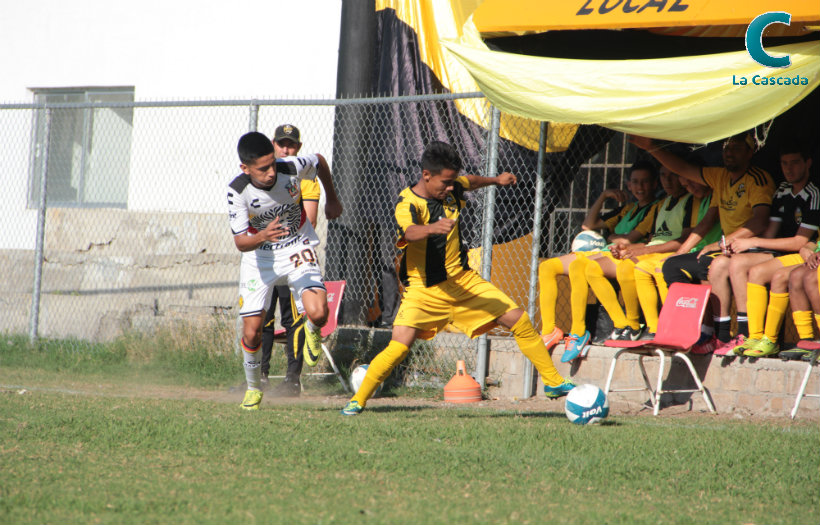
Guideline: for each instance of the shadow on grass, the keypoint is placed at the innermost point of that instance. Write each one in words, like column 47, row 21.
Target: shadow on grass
column 517, row 414
column 385, row 409
column 550, row 415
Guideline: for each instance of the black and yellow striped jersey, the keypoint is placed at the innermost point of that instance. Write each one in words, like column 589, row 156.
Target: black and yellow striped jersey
column 435, row 259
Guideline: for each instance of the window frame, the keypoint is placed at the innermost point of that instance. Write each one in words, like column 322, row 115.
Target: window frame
column 41, row 98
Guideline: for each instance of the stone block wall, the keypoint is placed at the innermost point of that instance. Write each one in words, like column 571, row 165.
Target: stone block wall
column 738, row 386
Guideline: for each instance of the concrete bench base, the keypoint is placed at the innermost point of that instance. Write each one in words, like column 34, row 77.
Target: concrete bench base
column 738, row 386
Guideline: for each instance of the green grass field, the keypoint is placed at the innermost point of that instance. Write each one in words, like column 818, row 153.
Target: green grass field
column 109, row 443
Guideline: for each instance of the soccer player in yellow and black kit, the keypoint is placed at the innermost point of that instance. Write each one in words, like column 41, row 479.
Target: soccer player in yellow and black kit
column 440, row 287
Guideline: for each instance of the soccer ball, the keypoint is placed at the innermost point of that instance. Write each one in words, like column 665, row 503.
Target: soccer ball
column 586, row 404
column 588, row 241
column 356, row 378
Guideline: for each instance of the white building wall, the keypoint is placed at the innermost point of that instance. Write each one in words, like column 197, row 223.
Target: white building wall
column 168, row 50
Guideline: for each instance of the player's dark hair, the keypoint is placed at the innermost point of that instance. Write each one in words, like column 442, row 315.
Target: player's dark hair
column 439, row 156
column 795, row 146
column 252, row 146
column 645, row 165
column 746, row 138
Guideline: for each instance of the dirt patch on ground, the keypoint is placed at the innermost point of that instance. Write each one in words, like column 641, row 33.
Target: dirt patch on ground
column 234, row 395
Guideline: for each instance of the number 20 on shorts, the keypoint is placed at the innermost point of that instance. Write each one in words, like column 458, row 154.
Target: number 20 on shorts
column 305, row 256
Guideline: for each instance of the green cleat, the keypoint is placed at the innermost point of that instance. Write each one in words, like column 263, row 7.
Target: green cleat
column 794, row 354
column 253, row 398
column 352, row 408
column 554, row 392
column 746, row 345
column 764, row 347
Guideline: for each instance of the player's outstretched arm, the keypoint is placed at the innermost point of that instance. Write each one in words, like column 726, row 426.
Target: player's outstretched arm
column 476, row 182
column 333, row 208
column 672, row 162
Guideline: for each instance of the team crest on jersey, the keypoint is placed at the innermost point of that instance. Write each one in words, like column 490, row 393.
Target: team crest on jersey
column 292, row 188
column 741, row 189
column 450, row 203
column 798, row 215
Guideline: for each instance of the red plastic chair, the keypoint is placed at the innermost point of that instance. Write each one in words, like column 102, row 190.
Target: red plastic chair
column 815, row 347
column 335, row 291
column 678, row 329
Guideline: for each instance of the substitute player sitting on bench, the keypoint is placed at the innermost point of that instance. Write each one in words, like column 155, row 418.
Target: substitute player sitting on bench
column 440, row 287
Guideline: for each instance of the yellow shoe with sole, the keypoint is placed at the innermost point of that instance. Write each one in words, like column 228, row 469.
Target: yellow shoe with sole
column 253, row 398
column 313, row 346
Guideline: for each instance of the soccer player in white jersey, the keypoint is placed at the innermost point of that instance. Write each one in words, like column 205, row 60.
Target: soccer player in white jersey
column 277, row 244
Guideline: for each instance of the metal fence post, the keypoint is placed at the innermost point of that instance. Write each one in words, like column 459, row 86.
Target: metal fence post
column 487, row 237
column 253, row 116
column 536, row 246
column 34, row 317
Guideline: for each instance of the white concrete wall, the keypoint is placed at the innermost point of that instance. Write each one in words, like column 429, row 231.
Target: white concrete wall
column 181, row 50
column 171, row 49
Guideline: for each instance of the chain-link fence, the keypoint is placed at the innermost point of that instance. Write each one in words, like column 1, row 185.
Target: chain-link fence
column 115, row 214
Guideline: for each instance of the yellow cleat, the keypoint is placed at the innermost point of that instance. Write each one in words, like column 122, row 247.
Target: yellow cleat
column 313, row 346
column 253, row 398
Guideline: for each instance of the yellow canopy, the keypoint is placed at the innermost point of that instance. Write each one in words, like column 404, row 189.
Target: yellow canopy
column 545, row 15
column 694, row 99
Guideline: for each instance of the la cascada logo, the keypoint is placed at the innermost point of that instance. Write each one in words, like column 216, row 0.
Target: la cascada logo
column 754, row 45
column 754, row 38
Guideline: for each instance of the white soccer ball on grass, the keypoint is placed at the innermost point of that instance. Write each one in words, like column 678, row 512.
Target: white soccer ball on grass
column 586, row 404
column 356, row 378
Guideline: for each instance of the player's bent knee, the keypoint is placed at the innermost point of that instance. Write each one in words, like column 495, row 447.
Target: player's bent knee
column 780, row 279
column 720, row 267
column 317, row 313
column 510, row 318
column 757, row 275
column 796, row 278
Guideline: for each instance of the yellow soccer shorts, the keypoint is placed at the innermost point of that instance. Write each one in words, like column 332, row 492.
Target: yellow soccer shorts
column 790, row 259
column 652, row 258
column 466, row 300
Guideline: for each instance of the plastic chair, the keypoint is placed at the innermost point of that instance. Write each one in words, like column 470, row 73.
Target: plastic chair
column 678, row 329
column 335, row 291
column 806, row 345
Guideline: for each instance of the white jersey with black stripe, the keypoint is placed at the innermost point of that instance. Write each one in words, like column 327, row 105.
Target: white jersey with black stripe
column 251, row 209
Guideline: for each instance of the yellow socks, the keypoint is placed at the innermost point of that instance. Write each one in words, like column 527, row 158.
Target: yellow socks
column 548, row 272
column 778, row 303
column 533, row 348
column 629, row 292
column 606, row 294
column 803, row 323
column 757, row 298
column 578, row 294
column 648, row 297
column 380, row 368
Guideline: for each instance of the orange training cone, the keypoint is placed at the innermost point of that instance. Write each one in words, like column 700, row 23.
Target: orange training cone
column 462, row 388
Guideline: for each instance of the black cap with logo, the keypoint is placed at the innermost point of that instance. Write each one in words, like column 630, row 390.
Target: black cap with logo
column 286, row 131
